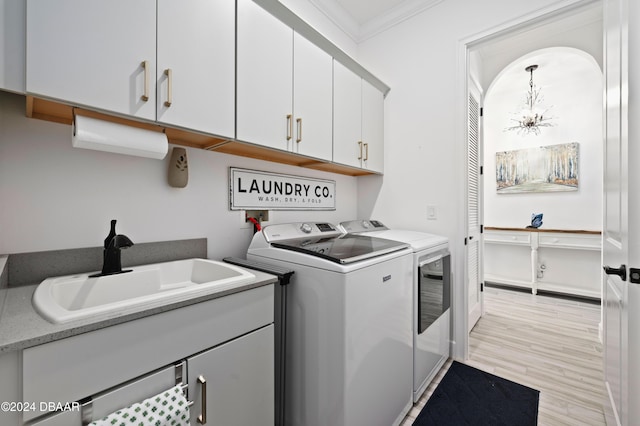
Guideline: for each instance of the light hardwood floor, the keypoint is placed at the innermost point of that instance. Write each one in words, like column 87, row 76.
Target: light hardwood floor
column 544, row 342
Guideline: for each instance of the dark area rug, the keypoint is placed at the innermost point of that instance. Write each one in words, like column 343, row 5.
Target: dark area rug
column 468, row 396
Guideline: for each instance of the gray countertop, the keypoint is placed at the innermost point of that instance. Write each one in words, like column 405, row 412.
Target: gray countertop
column 22, row 327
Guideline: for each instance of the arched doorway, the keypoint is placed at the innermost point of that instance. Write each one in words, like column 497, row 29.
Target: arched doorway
column 570, row 90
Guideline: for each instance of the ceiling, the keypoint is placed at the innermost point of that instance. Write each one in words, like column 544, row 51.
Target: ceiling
column 362, row 19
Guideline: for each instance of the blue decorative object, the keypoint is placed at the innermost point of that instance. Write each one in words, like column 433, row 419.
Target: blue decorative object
column 536, row 220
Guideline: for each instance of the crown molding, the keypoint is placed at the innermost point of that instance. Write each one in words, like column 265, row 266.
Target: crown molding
column 359, row 33
column 339, row 16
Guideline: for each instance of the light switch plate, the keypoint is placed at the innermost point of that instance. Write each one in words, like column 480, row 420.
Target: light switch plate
column 432, row 212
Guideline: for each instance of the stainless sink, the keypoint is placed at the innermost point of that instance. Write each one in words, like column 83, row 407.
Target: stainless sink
column 73, row 297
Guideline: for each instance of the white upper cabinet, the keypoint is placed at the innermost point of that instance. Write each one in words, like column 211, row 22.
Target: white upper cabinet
column 227, row 68
column 347, row 116
column 372, row 128
column 264, row 78
column 284, row 86
column 91, row 53
column 12, row 45
column 196, row 65
column 358, row 121
column 312, row 100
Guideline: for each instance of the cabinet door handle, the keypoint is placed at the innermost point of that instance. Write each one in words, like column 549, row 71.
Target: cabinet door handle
column 621, row 271
column 360, row 146
column 169, row 75
column 202, row 418
column 145, row 94
column 289, row 127
column 299, row 125
column 366, row 152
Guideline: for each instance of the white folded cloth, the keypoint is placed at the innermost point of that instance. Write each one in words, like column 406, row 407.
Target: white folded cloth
column 168, row 408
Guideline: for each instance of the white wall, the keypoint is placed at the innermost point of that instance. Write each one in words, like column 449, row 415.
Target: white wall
column 418, row 60
column 571, row 83
column 56, row 197
column 424, row 145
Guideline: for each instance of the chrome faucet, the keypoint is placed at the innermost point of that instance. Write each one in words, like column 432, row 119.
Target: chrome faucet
column 111, row 264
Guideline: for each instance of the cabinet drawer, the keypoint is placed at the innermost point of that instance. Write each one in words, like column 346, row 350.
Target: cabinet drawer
column 64, row 418
column 130, row 393
column 572, row 241
column 114, row 399
column 70, row 369
column 497, row 237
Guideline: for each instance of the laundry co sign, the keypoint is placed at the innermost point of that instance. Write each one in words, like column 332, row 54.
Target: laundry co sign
column 254, row 190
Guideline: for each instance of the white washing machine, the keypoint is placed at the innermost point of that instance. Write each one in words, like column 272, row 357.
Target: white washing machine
column 349, row 344
column 431, row 296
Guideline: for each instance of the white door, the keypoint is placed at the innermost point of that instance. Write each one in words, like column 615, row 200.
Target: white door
column 347, row 116
column 233, row 384
column 196, row 65
column 90, row 53
column 372, row 128
column 474, row 207
column 264, row 78
column 621, row 293
column 312, row 99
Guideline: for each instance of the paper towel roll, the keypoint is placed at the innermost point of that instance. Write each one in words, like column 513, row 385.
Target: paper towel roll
column 101, row 135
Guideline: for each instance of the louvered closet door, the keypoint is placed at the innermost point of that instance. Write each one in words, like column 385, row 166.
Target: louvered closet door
column 474, row 208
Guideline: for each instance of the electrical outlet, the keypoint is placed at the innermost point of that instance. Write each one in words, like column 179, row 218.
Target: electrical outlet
column 260, row 215
column 244, row 223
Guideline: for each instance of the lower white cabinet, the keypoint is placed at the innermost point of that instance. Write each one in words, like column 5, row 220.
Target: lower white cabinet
column 222, row 349
column 233, row 384
column 220, row 382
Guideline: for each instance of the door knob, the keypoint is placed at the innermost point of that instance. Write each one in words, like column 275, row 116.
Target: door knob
column 621, row 271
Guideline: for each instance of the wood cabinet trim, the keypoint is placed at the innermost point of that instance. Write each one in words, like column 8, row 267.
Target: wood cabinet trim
column 49, row 110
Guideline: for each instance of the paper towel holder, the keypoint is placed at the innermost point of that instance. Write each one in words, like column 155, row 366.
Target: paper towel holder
column 178, row 168
column 108, row 136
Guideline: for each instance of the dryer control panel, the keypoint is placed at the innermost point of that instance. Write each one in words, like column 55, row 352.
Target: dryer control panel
column 354, row 226
column 289, row 231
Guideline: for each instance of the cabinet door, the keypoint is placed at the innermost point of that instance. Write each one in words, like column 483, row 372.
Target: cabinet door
column 238, row 382
column 264, row 78
column 372, row 128
column 347, row 116
column 196, row 65
column 312, row 99
column 12, row 45
column 91, row 53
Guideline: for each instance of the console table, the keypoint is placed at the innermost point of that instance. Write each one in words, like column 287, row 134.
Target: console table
column 555, row 260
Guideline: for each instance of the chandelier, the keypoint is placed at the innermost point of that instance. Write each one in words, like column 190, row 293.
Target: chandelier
column 533, row 116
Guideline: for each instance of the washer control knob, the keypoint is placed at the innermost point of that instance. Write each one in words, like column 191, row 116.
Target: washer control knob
column 306, row 228
column 365, row 224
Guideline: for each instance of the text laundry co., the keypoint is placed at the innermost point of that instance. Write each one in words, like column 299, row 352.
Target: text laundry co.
column 271, row 187
column 253, row 189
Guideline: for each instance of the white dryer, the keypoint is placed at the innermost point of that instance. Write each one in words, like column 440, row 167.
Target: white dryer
column 431, row 296
column 348, row 332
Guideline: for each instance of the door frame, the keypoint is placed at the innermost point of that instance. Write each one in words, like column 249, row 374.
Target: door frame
column 460, row 329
